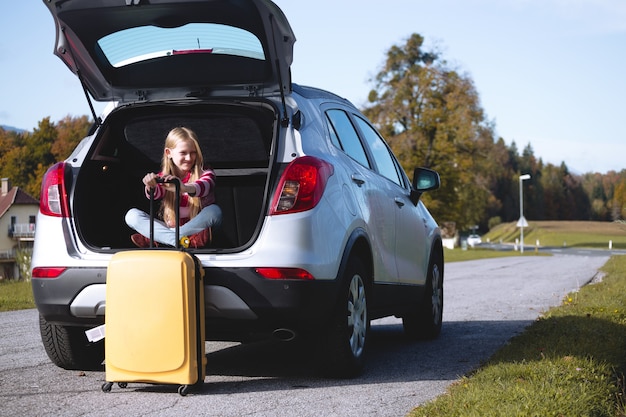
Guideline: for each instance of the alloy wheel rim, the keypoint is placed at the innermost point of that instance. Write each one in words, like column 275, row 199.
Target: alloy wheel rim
column 357, row 315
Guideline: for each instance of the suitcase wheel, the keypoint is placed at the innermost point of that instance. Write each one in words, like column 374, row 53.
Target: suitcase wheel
column 106, row 387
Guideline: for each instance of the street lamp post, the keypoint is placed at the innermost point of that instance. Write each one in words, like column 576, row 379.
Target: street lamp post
column 522, row 221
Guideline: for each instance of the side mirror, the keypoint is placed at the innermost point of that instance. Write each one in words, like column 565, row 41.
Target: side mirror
column 424, row 179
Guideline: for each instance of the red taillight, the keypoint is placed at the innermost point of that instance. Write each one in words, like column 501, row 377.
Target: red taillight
column 48, row 272
column 301, row 186
column 284, row 273
column 54, row 200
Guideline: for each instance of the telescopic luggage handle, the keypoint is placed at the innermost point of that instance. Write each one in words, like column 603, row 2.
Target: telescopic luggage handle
column 176, row 183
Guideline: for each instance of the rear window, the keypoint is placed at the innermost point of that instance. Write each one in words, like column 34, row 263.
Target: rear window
column 139, row 44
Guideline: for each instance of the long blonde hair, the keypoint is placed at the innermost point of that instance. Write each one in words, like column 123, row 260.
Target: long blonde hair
column 168, row 203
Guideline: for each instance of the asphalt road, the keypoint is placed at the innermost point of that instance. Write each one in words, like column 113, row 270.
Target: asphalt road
column 486, row 303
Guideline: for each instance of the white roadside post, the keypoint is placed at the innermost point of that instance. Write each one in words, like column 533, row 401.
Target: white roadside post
column 522, row 221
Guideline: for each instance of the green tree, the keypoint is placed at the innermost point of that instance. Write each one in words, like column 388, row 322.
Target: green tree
column 23, row 258
column 592, row 184
column 554, row 192
column 505, row 194
column 431, row 116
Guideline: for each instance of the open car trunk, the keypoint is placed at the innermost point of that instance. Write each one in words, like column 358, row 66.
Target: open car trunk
column 237, row 141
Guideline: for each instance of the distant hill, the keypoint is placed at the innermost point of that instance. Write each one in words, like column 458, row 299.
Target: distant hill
column 13, row 129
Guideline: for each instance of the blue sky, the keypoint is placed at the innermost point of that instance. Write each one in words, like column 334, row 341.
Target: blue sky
column 548, row 72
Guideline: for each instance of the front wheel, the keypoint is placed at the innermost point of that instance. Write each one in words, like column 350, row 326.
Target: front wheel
column 425, row 319
column 345, row 340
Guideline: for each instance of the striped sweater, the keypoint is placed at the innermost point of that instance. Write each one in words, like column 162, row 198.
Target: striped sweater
column 205, row 189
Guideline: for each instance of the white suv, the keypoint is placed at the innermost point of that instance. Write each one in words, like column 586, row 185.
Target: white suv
column 322, row 231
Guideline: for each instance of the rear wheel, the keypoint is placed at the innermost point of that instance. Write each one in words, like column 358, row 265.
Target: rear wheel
column 424, row 321
column 345, row 340
column 68, row 347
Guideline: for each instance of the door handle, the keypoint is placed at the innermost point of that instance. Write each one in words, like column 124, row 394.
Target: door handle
column 358, row 179
column 399, row 201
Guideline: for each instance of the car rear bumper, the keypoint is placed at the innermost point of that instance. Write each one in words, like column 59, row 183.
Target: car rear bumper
column 233, row 297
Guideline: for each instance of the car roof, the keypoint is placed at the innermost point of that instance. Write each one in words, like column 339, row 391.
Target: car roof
column 128, row 50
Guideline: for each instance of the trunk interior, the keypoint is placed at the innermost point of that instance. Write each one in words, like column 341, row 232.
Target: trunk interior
column 236, row 141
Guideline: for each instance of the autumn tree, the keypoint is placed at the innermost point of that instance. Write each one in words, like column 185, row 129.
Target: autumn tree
column 7, row 138
column 618, row 203
column 14, row 158
column 25, row 157
column 70, row 131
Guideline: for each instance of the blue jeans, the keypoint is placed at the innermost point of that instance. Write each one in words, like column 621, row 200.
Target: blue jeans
column 210, row 216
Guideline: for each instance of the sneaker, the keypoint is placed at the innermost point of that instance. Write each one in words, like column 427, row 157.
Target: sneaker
column 200, row 240
column 141, row 241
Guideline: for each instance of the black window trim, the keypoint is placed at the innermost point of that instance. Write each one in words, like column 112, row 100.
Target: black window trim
column 352, row 114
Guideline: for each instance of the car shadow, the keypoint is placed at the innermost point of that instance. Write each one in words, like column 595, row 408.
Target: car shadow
column 462, row 347
column 273, row 365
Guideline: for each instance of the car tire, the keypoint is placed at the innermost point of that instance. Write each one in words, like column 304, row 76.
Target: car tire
column 424, row 321
column 68, row 347
column 345, row 340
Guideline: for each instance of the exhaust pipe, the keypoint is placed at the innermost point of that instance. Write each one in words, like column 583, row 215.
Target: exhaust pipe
column 284, row 335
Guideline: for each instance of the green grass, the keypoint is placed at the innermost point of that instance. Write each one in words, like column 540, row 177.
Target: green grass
column 563, row 233
column 16, row 295
column 458, row 255
column 570, row 362
column 547, row 233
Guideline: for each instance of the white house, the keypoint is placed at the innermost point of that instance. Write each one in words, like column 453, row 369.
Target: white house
column 18, row 211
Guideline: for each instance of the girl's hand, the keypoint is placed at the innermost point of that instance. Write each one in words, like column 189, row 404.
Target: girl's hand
column 168, row 185
column 150, row 180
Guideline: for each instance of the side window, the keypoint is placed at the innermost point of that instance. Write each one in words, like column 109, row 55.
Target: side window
column 380, row 152
column 343, row 133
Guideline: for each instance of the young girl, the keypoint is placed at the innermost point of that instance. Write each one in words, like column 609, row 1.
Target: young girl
column 182, row 161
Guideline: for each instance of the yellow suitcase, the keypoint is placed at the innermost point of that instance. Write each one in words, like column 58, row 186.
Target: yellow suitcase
column 154, row 319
